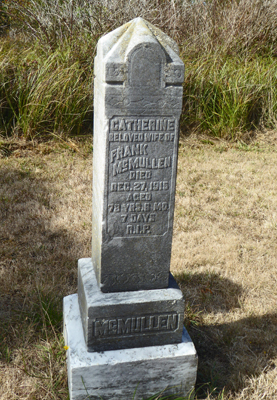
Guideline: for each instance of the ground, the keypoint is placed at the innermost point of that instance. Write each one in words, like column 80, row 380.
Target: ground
column 224, row 257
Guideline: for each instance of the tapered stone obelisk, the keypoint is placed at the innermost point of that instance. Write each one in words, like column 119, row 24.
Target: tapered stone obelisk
column 125, row 329
column 138, row 102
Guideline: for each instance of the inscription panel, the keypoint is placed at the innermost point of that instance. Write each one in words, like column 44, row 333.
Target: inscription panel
column 140, row 175
column 133, row 326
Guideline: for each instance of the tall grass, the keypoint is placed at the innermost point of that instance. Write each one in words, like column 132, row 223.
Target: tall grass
column 47, row 49
column 44, row 92
column 227, row 96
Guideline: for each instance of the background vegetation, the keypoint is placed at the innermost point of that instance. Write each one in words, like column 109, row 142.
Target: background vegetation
column 47, row 47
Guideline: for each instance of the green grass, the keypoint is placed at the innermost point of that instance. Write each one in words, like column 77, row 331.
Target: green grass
column 44, row 92
column 227, row 96
column 52, row 93
column 47, row 50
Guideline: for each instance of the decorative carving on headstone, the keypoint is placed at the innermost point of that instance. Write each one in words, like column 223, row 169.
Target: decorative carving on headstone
column 127, row 318
column 139, row 86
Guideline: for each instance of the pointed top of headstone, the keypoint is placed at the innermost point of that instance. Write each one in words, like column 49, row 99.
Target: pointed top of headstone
column 117, row 47
column 134, row 32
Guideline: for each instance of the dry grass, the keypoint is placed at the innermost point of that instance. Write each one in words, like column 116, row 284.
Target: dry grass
column 224, row 257
column 226, row 26
column 45, row 227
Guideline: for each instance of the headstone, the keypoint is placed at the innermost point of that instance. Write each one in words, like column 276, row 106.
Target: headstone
column 125, row 328
column 138, row 102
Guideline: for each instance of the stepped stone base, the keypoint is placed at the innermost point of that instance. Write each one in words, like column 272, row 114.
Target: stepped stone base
column 123, row 320
column 119, row 374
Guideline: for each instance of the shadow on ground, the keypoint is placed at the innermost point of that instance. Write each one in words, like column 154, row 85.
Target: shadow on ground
column 38, row 260
column 228, row 352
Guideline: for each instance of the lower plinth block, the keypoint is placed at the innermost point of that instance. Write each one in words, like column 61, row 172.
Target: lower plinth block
column 135, row 373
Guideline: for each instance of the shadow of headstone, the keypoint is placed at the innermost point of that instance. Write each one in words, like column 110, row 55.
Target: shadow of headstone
column 232, row 351
column 37, row 260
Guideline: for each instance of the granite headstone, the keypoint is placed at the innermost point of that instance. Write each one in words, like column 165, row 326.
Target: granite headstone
column 138, row 102
column 128, row 315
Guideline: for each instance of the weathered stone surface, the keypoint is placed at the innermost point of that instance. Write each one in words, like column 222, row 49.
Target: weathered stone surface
column 138, row 101
column 128, row 319
column 124, row 328
column 118, row 374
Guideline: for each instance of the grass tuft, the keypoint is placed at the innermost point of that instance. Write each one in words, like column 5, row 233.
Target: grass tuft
column 228, row 96
column 47, row 49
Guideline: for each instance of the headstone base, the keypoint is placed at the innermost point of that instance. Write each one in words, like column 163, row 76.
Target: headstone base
column 128, row 373
column 113, row 321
